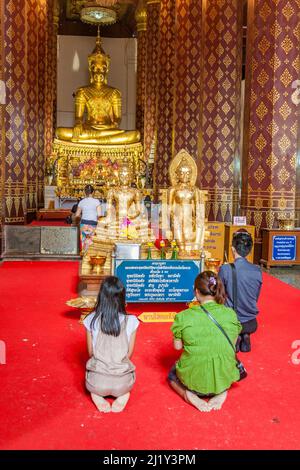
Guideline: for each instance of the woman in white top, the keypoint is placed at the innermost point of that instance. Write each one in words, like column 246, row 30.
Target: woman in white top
column 89, row 210
column 111, row 336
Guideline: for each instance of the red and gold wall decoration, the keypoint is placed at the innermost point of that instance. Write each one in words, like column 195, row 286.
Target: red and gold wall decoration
column 165, row 93
column 222, row 65
column 141, row 22
column 152, row 48
column 16, row 137
column 272, row 125
column 27, row 116
column 198, row 96
column 2, row 110
column 188, row 77
column 31, row 105
column 43, row 70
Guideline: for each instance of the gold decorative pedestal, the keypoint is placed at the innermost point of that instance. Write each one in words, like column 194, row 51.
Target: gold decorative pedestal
column 79, row 164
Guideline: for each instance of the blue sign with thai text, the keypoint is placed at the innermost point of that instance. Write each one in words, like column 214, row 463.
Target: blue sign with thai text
column 284, row 248
column 158, row 280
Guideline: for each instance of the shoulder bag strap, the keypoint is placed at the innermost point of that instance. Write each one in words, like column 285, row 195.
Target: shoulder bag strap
column 218, row 325
column 234, row 286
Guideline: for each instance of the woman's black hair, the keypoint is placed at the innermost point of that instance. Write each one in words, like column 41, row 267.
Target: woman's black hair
column 88, row 189
column 110, row 302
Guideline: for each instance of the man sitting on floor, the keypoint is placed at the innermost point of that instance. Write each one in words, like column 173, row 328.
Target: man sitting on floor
column 248, row 286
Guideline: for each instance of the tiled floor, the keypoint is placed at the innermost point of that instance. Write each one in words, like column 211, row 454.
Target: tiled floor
column 288, row 274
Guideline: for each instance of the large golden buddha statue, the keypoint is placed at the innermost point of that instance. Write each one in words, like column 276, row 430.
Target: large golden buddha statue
column 186, row 205
column 102, row 105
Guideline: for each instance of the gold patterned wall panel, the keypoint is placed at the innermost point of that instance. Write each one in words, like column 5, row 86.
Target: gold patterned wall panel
column 272, row 115
column 43, row 70
column 2, row 129
column 222, row 23
column 51, row 72
column 152, row 49
column 26, row 72
column 165, row 93
column 188, row 77
column 15, row 111
column 141, row 81
column 32, row 104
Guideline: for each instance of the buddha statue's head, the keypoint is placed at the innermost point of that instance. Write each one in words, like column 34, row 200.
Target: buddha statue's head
column 184, row 171
column 125, row 174
column 98, row 64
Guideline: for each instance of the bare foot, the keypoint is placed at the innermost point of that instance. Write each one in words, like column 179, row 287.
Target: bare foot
column 215, row 403
column 200, row 404
column 120, row 403
column 101, row 403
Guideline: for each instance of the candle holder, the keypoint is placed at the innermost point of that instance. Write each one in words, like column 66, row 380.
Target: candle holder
column 97, row 262
column 162, row 250
column 174, row 250
column 149, row 254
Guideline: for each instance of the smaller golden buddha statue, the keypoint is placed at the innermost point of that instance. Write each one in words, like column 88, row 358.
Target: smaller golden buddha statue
column 102, row 105
column 126, row 217
column 186, row 205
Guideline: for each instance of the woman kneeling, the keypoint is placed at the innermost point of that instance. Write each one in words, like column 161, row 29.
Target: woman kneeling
column 207, row 366
column 110, row 339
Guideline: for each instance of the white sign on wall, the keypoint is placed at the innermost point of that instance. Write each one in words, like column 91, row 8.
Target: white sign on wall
column 240, row 220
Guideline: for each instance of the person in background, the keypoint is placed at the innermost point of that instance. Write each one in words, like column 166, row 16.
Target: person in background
column 89, row 209
column 207, row 367
column 111, row 334
column 71, row 219
column 248, row 286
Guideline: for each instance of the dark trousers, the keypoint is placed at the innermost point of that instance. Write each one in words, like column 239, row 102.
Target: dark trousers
column 249, row 327
column 243, row 342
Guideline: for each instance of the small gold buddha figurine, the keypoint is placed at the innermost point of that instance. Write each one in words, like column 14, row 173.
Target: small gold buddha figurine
column 186, row 205
column 125, row 218
column 102, row 105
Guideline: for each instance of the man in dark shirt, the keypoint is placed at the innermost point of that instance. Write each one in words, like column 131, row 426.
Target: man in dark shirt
column 249, row 281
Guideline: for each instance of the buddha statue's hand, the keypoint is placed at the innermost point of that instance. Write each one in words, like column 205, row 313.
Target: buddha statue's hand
column 77, row 131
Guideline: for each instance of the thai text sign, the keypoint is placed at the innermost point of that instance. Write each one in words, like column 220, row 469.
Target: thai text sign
column 158, row 280
column 157, row 317
column 284, row 248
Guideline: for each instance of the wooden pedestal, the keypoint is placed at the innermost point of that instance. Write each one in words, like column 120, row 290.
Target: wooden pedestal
column 53, row 214
column 267, row 247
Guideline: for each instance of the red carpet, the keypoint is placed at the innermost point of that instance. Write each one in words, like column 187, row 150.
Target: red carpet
column 43, row 403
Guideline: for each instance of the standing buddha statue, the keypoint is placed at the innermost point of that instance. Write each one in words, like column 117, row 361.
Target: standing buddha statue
column 186, row 205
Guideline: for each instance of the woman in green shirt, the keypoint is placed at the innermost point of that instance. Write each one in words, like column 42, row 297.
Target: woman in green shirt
column 207, row 365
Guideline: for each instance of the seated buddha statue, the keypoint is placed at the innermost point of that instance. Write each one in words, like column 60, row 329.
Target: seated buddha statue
column 186, row 205
column 102, row 105
column 125, row 217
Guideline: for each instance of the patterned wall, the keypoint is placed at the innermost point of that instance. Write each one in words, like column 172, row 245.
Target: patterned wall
column 15, row 65
column 152, row 48
column 272, row 116
column 188, row 77
column 222, row 23
column 43, row 70
column 2, row 130
column 141, row 20
column 26, row 72
column 165, row 93
column 31, row 104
